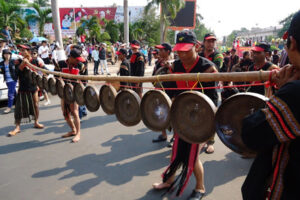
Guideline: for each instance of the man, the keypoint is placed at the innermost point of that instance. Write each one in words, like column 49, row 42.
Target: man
column 234, row 59
column 211, row 54
column 75, row 64
column 6, row 34
column 68, row 48
column 165, row 50
column 44, row 52
column 260, row 63
column 102, row 57
column 124, row 67
column 275, row 57
column 27, row 100
column 274, row 132
column 137, row 65
column 95, row 56
column 150, row 49
column 189, row 62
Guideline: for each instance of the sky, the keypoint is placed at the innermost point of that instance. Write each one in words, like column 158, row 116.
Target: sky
column 221, row 16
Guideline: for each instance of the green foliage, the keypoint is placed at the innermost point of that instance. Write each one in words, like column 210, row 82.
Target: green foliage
column 16, row 2
column 91, row 28
column 104, row 37
column 42, row 17
column 231, row 38
column 42, row 3
column 285, row 23
column 169, row 9
column 112, row 29
column 26, row 33
column 201, row 30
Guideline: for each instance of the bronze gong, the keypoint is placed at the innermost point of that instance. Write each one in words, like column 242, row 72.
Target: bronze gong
column 52, row 86
column 107, row 99
column 60, row 84
column 39, row 81
column 230, row 115
column 127, row 107
column 155, row 110
column 78, row 93
column 91, row 98
column 192, row 116
column 68, row 93
column 45, row 83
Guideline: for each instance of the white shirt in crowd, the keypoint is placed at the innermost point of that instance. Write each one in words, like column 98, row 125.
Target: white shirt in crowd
column 95, row 55
column 44, row 51
column 59, row 55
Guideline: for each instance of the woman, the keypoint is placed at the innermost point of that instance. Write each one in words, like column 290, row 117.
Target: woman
column 27, row 100
column 8, row 70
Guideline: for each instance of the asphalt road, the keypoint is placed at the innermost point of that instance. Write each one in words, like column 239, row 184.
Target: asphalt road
column 110, row 162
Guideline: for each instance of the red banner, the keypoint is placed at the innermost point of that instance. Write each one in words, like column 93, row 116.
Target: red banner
column 70, row 16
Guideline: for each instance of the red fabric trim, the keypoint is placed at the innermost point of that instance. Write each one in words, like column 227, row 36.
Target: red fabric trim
column 286, row 130
column 275, row 174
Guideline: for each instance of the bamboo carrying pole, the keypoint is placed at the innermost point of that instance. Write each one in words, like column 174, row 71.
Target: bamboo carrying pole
column 203, row 77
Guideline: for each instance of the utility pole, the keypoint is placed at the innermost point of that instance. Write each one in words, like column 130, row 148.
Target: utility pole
column 56, row 23
column 126, row 22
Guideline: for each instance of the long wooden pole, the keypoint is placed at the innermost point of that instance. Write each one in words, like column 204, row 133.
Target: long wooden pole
column 203, row 77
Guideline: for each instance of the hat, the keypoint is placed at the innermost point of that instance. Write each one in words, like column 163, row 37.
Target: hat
column 165, row 46
column 155, row 51
column 103, row 44
column 261, row 47
column 233, row 49
column 185, row 40
column 122, row 51
column 6, row 51
column 135, row 44
column 75, row 53
column 210, row 36
column 294, row 29
column 24, row 46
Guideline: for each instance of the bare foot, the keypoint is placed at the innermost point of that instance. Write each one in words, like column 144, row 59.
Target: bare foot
column 38, row 125
column 210, row 149
column 160, row 186
column 70, row 134
column 14, row 132
column 76, row 138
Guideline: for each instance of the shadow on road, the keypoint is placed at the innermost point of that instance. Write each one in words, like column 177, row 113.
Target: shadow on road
column 11, row 148
column 116, row 167
column 219, row 172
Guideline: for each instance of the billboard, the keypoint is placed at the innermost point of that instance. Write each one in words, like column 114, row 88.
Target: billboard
column 186, row 17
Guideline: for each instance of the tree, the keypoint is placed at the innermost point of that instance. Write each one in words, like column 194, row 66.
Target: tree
column 42, row 3
column 169, row 9
column 42, row 17
column 93, row 27
column 17, row 2
column 112, row 29
column 286, row 24
column 9, row 16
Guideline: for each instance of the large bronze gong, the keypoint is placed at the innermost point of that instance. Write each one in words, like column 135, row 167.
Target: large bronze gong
column 192, row 116
column 107, row 99
column 78, row 93
column 127, row 107
column 39, row 81
column 45, row 83
column 60, row 84
column 68, row 93
column 91, row 98
column 230, row 115
column 34, row 75
column 52, row 86
column 155, row 110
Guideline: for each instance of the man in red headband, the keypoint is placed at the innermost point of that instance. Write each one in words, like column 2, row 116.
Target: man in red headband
column 137, row 66
column 185, row 154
